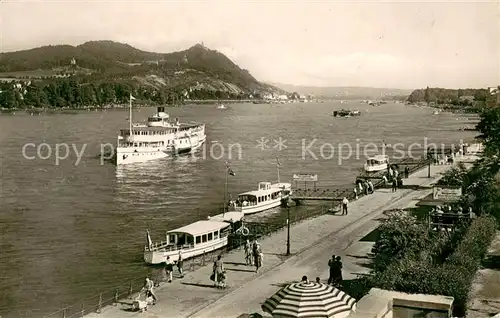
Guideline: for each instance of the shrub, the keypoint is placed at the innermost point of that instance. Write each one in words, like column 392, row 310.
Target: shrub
column 417, row 273
column 454, row 177
column 400, row 234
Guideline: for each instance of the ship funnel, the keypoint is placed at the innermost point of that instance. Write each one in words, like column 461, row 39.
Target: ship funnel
column 161, row 109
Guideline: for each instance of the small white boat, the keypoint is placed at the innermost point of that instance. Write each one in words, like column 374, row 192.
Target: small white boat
column 192, row 240
column 221, row 106
column 377, row 163
column 267, row 196
column 436, row 112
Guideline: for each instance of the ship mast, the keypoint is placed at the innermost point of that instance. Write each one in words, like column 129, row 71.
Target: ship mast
column 278, row 166
column 130, row 115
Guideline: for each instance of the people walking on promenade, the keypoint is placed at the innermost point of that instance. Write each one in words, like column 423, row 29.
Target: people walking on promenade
column 169, row 268
column 356, row 193
column 219, row 273
column 331, row 265
column 148, row 289
column 248, row 253
column 180, row 264
column 400, row 182
column 257, row 254
column 345, row 203
column 407, row 172
column 372, row 188
column 338, row 271
column 394, row 184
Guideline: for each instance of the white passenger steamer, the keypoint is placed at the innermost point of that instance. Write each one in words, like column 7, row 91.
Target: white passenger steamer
column 192, row 240
column 159, row 137
column 267, row 196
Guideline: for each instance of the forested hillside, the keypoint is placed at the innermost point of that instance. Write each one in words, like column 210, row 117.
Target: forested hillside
column 103, row 72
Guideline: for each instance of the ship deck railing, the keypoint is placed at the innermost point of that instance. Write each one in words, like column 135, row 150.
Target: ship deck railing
column 167, row 247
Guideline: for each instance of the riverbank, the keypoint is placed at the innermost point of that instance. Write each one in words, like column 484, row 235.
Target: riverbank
column 312, row 242
column 37, row 111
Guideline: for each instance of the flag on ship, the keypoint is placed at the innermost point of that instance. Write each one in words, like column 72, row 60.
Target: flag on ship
column 229, row 170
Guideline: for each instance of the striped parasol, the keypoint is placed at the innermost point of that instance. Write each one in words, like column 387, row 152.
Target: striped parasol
column 307, row 299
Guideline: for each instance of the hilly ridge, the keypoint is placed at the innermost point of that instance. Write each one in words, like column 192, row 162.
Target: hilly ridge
column 197, row 69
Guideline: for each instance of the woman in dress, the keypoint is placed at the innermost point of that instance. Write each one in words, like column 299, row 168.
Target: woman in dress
column 219, row 273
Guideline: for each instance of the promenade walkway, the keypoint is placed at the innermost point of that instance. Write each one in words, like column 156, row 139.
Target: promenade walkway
column 312, row 243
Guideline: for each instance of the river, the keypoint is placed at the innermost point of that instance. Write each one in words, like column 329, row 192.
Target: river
column 69, row 231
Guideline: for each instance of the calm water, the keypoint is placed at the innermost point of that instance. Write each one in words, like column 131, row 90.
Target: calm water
column 68, row 232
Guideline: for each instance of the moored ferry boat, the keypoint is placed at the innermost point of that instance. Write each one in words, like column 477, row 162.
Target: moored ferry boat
column 267, row 196
column 192, row 240
column 159, row 137
column 377, row 163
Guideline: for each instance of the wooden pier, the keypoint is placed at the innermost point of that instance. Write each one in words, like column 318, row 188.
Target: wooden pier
column 337, row 194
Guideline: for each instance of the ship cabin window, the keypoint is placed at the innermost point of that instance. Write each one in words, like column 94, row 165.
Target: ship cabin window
column 216, row 235
column 182, row 239
column 198, row 239
column 209, row 236
column 204, row 238
column 224, row 232
column 172, row 239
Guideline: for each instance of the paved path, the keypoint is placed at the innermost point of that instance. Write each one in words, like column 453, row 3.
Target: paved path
column 312, row 242
column 485, row 294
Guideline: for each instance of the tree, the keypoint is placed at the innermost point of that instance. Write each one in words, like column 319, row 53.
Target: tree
column 489, row 126
column 400, row 234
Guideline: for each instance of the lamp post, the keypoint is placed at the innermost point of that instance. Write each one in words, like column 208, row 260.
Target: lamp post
column 429, row 160
column 288, row 230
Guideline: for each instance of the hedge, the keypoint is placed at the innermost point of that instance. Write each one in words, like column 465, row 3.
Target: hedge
column 421, row 274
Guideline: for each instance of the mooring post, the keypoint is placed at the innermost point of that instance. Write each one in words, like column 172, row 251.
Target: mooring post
column 203, row 259
column 82, row 313
column 130, row 290
column 64, row 313
column 288, row 232
column 116, row 297
column 99, row 305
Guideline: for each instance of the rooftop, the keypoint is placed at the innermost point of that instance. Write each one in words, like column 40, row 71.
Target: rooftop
column 387, row 304
column 227, row 217
column 274, row 187
column 201, row 227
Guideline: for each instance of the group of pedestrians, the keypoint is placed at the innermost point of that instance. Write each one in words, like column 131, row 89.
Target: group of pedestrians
column 335, row 278
column 335, row 265
column 395, row 177
column 253, row 254
column 166, row 271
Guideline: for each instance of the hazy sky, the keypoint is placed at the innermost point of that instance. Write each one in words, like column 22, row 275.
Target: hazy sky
column 322, row 43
